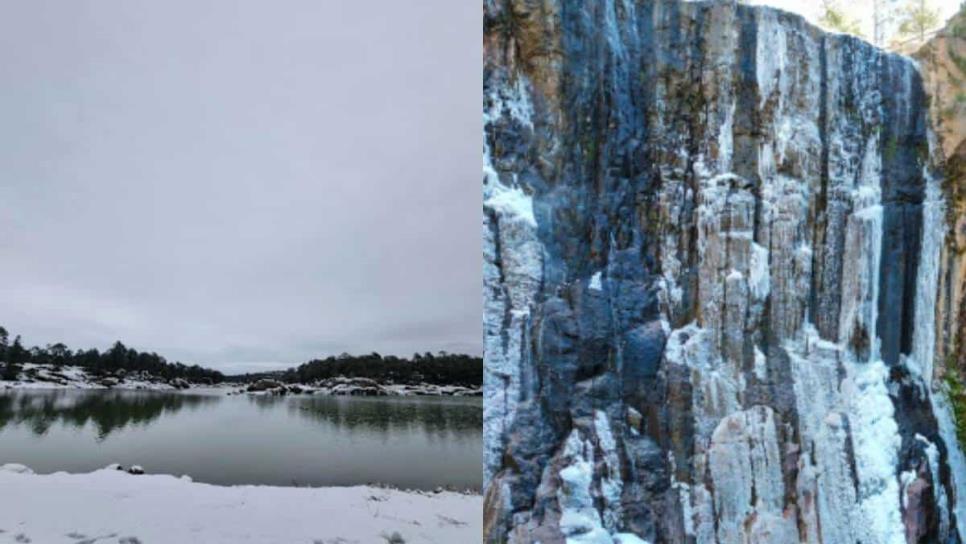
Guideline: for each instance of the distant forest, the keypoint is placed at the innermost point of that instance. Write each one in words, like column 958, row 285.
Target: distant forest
column 441, row 368
column 119, row 357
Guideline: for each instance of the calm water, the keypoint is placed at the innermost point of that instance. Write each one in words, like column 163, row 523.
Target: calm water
column 298, row 440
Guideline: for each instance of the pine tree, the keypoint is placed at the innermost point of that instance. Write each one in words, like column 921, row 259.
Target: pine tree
column 917, row 18
column 833, row 17
column 4, row 339
column 16, row 354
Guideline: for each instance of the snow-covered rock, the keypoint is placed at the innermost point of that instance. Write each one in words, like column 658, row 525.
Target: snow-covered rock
column 16, row 468
column 37, row 376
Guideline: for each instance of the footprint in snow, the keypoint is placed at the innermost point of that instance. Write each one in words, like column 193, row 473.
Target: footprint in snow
column 96, row 538
column 22, row 538
column 445, row 520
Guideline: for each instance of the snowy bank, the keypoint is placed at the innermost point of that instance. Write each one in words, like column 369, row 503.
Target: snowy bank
column 357, row 387
column 111, row 506
column 38, row 376
column 42, row 376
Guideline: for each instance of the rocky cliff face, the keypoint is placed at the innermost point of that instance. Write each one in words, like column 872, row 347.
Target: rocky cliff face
column 712, row 243
column 943, row 64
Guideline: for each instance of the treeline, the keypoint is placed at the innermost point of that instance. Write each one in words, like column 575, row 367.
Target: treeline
column 440, row 369
column 118, row 357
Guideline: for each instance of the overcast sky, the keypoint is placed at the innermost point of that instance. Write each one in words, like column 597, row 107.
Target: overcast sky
column 242, row 184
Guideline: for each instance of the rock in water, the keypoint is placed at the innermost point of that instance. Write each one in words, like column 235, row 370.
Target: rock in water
column 265, row 385
column 712, row 237
column 16, row 468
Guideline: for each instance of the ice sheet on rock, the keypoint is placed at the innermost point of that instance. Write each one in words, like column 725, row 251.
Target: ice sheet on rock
column 759, row 278
column 954, row 457
column 628, row 538
column 716, row 384
column 927, row 279
column 512, row 270
column 745, row 469
column 611, row 483
column 875, row 437
column 511, row 202
column 508, row 200
column 595, row 283
column 580, row 522
column 760, row 367
column 939, row 491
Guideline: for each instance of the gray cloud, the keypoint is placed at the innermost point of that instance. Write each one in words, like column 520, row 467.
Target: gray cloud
column 241, row 183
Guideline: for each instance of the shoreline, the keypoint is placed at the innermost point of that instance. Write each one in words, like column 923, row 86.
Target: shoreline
column 139, row 509
column 34, row 376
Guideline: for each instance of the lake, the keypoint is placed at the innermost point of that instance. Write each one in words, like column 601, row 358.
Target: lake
column 407, row 442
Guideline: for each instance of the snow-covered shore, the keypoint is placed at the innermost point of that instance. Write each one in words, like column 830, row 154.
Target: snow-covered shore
column 34, row 376
column 111, row 506
column 365, row 387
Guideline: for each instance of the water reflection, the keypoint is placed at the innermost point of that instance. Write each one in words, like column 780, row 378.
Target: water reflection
column 434, row 417
column 417, row 443
column 107, row 411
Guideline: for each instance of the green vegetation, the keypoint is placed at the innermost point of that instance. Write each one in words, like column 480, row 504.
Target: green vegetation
column 119, row 357
column 833, row 18
column 917, row 18
column 957, row 398
column 959, row 61
column 891, row 149
column 439, row 369
column 958, row 23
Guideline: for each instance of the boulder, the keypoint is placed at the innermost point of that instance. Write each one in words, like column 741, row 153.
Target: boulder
column 264, row 385
column 16, row 468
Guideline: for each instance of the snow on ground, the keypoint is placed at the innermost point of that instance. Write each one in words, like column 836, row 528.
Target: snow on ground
column 111, row 506
column 34, row 376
